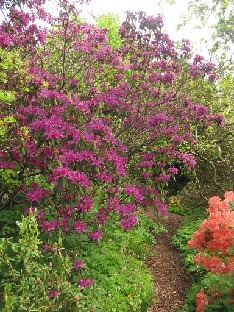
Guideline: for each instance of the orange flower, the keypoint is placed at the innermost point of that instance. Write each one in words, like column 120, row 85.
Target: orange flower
column 229, row 196
column 215, row 236
column 201, row 301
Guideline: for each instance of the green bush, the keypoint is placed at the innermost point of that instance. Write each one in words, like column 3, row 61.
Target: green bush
column 27, row 277
column 193, row 219
column 183, row 235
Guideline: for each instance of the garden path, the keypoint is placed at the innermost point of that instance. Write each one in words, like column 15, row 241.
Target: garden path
column 170, row 277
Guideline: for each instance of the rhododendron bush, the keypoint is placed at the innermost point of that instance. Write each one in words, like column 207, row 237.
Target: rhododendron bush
column 214, row 240
column 83, row 114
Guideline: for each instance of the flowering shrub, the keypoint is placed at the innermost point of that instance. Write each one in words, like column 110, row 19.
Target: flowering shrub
column 213, row 239
column 84, row 113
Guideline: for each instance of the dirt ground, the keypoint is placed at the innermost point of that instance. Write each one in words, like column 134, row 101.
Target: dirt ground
column 170, row 277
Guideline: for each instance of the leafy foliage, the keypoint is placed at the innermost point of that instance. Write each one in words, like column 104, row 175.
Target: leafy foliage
column 193, row 219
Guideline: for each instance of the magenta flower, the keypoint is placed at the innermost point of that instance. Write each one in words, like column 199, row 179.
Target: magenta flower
column 40, row 214
column 133, row 219
column 220, row 119
column 133, row 190
column 28, row 210
column 53, row 293
column 95, row 236
column 146, row 175
column 113, row 190
column 78, row 264
column 74, row 81
column 126, row 224
column 161, row 207
column 46, row 247
column 49, row 226
column 126, row 209
column 102, row 218
column 105, row 177
column 80, row 227
column 85, row 203
column 198, row 58
column 173, row 170
column 128, row 221
column 86, row 283
column 37, row 194
column 66, row 211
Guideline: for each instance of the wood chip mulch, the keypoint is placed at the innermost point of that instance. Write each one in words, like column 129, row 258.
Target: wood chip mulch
column 170, row 277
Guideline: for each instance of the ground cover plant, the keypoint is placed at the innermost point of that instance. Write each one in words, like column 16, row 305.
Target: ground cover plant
column 38, row 279
column 89, row 132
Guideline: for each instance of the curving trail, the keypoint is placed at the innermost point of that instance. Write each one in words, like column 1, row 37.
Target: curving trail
column 170, row 277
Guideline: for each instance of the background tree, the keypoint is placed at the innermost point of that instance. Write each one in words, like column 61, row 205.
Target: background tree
column 111, row 23
column 214, row 170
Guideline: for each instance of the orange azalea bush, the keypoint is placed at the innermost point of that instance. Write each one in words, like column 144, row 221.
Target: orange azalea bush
column 215, row 236
column 213, row 240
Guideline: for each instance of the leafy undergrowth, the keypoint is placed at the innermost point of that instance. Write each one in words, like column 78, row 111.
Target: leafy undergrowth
column 115, row 263
column 183, row 235
column 201, row 279
column 191, row 223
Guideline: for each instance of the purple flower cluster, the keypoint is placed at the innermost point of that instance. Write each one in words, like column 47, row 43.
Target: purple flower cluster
column 85, row 203
column 95, row 236
column 49, row 226
column 86, row 283
column 127, row 222
column 135, row 191
column 80, row 227
column 74, row 176
column 37, row 194
column 78, row 264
